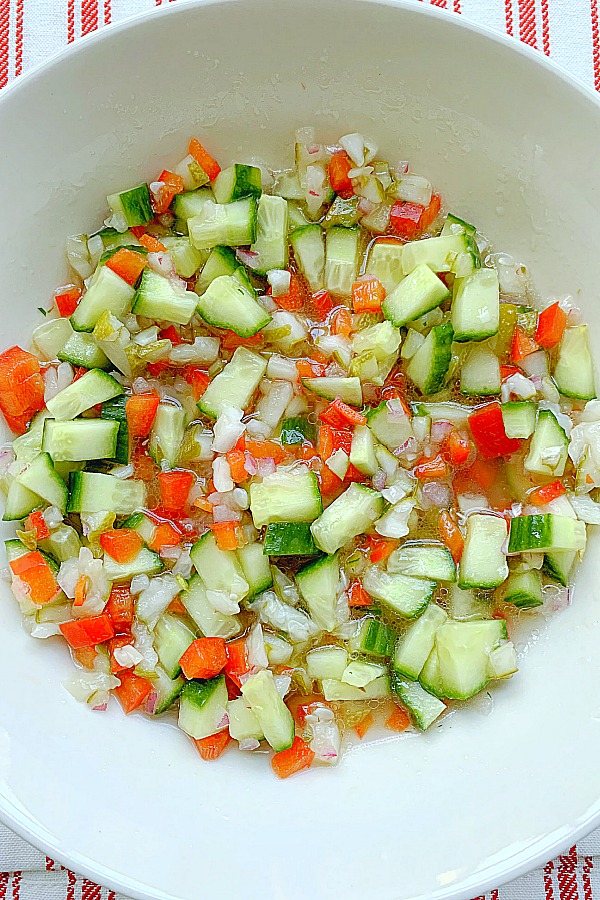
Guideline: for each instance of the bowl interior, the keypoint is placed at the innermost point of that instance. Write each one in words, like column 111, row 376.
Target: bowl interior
column 513, row 146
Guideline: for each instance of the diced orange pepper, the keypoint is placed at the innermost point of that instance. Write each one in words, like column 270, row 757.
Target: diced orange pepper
column 451, row 535
column 547, row 493
column 21, row 388
column 127, row 264
column 231, row 340
column 35, row 572
column 81, row 589
column 399, row 720
column 427, row 469
column 165, row 535
column 266, row 450
column 225, row 535
column 339, row 415
column 323, row 304
column 550, row 326
column 204, row 658
column 85, row 656
column 204, row 159
column 456, row 448
column 368, row 294
column 342, row 322
column 151, row 243
column 294, row 299
column 430, row 212
column 120, row 607
column 210, row 748
column 288, row 762
column 175, row 487
column 198, row 378
column 363, row 726
column 132, row 691
column 237, row 465
column 522, row 345
column 35, row 522
column 122, row 544
column 88, row 632
column 172, row 184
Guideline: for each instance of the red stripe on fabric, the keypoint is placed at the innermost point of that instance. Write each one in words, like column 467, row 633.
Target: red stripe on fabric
column 527, row 23
column 111, row 896
column 567, row 876
column 494, row 895
column 440, row 3
column 71, row 885
column 457, row 8
column 508, row 14
column 158, row 2
column 19, row 38
column 548, row 886
column 3, row 885
column 4, row 30
column 89, row 16
column 16, row 885
column 49, row 864
column 107, row 12
column 595, row 43
column 545, row 28
column 588, row 865
column 71, row 21
column 90, row 891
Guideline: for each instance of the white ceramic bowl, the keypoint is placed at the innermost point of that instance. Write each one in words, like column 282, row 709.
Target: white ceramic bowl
column 513, row 145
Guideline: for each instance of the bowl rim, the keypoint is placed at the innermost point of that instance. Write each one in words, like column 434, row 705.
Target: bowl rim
column 17, row 820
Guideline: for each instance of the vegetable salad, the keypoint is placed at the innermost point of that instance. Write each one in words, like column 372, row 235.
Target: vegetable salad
column 295, row 453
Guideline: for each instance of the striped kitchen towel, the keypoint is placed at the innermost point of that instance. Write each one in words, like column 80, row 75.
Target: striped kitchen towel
column 32, row 31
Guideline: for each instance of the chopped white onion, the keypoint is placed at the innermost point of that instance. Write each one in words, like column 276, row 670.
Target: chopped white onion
column 52, row 517
column 394, row 523
column 122, row 471
column 280, row 280
column 255, row 648
column 282, row 368
column 138, row 584
column 265, row 466
column 223, row 603
column 50, row 383
column 535, row 364
column 222, row 513
column 161, row 262
column 127, row 656
column 144, row 338
column 228, row 429
column 518, row 385
column 354, row 145
column 183, row 566
column 222, row 475
column 153, row 600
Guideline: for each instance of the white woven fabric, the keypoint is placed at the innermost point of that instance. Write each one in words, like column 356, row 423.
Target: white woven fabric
column 32, row 31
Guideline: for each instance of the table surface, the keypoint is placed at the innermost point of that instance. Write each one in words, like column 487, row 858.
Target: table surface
column 31, row 31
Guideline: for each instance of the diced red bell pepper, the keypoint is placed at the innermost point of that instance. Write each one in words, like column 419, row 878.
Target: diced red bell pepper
column 487, row 428
column 406, row 219
column 368, row 294
column 550, row 326
column 231, row 340
column 88, row 632
column 204, row 658
column 170, row 333
column 67, row 299
column 198, row 378
column 339, row 167
column 120, row 608
column 323, row 304
column 172, row 184
column 339, row 415
column 35, row 572
column 140, row 410
column 522, row 345
column 132, row 691
column 237, row 465
column 507, row 371
column 547, row 493
column 21, row 388
column 121, row 544
column 127, row 264
column 204, row 159
column 357, row 596
column 456, row 448
column 174, row 489
column 380, row 548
